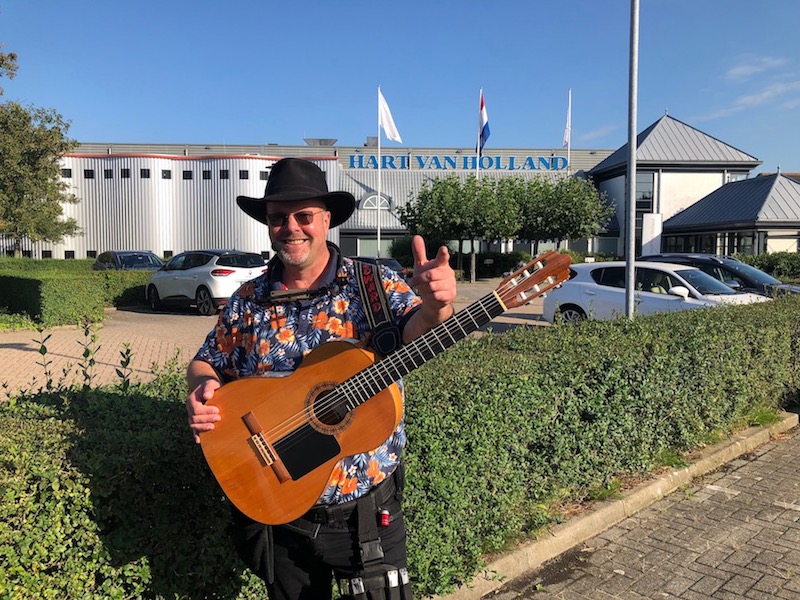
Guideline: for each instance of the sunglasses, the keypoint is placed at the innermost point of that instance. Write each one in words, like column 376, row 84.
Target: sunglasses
column 304, row 217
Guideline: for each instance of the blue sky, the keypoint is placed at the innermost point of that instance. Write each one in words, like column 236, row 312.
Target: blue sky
column 256, row 72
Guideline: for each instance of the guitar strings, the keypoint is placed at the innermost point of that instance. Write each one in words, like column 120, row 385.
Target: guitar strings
column 384, row 366
column 331, row 400
column 384, row 372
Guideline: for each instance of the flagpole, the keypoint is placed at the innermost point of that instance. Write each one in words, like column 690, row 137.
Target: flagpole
column 478, row 142
column 378, row 203
column 569, row 131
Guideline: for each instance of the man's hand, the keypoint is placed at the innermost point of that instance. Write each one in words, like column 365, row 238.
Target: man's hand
column 435, row 282
column 202, row 416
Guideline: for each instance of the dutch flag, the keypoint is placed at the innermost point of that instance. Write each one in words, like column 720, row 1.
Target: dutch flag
column 483, row 125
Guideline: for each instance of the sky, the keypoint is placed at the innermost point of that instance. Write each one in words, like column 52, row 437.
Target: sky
column 259, row 71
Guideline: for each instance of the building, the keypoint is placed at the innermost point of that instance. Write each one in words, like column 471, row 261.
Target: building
column 676, row 165
column 751, row 216
column 170, row 198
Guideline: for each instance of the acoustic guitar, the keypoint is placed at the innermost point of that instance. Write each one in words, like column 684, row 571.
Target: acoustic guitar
column 281, row 436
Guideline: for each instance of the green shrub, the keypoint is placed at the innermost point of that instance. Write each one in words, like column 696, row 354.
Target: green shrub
column 32, row 265
column 52, row 298
column 781, row 265
column 63, row 292
column 106, row 496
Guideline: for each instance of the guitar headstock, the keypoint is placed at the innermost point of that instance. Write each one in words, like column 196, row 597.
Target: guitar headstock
column 543, row 273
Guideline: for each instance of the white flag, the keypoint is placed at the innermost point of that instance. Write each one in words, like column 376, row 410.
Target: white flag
column 385, row 119
column 568, row 128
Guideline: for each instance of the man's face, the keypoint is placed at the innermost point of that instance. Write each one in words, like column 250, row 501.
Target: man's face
column 298, row 231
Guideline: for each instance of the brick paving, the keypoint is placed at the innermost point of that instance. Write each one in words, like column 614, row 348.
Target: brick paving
column 154, row 339
column 733, row 534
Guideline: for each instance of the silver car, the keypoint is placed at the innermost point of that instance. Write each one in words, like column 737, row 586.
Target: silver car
column 597, row 291
column 202, row 278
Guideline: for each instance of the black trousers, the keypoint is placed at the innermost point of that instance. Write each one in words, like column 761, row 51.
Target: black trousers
column 300, row 560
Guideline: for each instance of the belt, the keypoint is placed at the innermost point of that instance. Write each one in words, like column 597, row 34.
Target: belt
column 340, row 513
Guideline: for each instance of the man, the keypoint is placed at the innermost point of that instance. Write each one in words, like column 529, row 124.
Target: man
column 265, row 328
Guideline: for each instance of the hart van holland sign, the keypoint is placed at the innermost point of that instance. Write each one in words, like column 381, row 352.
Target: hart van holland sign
column 448, row 162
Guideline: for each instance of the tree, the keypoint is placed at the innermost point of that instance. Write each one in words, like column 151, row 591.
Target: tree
column 448, row 208
column 8, row 65
column 32, row 140
column 572, row 208
column 580, row 211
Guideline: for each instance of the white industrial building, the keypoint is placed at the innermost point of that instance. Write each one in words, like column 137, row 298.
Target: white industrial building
column 172, row 198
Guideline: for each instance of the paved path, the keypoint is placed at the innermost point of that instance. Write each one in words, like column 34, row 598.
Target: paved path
column 732, row 534
column 155, row 338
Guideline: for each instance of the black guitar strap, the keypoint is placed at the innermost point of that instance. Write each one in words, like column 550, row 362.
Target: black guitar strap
column 385, row 334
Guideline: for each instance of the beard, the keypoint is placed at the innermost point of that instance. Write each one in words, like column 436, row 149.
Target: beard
column 292, row 258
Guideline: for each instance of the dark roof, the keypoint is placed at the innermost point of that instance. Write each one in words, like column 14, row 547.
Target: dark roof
column 760, row 201
column 669, row 142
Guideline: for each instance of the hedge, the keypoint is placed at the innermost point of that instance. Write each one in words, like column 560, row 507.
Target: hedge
column 104, row 495
column 53, row 299
column 66, row 292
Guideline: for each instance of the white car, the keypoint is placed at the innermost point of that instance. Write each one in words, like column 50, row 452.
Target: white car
column 202, row 278
column 597, row 291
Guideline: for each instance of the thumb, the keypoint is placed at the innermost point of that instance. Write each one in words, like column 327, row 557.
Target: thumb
column 418, row 250
column 442, row 256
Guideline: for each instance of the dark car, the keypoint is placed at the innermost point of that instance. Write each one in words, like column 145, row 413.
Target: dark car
column 128, row 259
column 734, row 273
column 391, row 263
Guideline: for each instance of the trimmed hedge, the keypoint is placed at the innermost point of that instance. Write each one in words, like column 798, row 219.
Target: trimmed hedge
column 53, row 299
column 106, row 496
column 66, row 292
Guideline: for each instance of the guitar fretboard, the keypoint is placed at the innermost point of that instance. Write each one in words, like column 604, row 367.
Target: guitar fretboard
column 375, row 378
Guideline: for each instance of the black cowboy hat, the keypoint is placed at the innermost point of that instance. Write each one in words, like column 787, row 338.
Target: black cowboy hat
column 295, row 179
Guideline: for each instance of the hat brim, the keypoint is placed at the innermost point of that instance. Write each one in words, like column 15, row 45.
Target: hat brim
column 340, row 204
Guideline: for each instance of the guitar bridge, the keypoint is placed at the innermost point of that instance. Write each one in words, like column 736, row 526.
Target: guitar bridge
column 262, row 448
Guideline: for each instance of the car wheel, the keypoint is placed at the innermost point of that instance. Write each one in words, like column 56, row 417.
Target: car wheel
column 572, row 314
column 152, row 298
column 205, row 303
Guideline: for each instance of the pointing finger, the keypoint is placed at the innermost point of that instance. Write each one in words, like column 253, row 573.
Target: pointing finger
column 418, row 250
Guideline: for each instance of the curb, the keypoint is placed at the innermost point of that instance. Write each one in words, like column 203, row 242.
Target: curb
column 530, row 555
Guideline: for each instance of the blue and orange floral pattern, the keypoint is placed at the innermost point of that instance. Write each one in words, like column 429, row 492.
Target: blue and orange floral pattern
column 254, row 338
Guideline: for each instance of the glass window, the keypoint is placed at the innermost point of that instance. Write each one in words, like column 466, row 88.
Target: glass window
column 206, row 174
column 125, row 173
column 88, row 173
column 166, row 174
column 66, row 173
column 91, row 254
column 144, row 173
column 263, row 175
column 610, row 276
column 187, row 175
column 244, row 174
column 69, row 254
column 224, row 174
column 108, row 173
column 47, row 254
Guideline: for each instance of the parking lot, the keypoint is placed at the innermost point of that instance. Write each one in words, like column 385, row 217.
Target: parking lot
column 155, row 338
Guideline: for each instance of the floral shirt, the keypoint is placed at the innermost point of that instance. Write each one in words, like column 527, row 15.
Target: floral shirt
column 254, row 338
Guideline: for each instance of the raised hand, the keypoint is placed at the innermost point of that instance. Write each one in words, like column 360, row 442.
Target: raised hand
column 434, row 281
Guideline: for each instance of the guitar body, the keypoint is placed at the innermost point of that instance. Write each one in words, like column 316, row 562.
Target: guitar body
column 280, row 437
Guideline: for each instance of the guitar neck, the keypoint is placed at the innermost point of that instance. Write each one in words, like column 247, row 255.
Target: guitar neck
column 375, row 378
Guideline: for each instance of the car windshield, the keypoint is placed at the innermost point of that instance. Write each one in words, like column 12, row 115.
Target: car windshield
column 134, row 261
column 749, row 272
column 704, row 283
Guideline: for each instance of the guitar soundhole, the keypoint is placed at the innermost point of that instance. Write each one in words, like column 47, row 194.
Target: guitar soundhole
column 327, row 413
